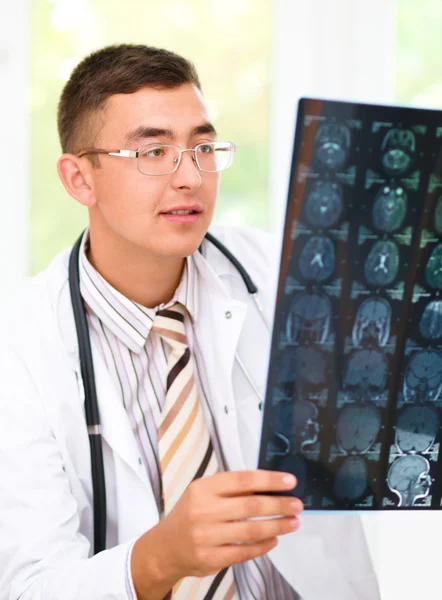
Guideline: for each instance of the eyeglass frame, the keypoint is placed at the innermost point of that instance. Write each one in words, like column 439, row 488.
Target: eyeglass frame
column 136, row 153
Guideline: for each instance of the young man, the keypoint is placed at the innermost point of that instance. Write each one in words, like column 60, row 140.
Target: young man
column 179, row 352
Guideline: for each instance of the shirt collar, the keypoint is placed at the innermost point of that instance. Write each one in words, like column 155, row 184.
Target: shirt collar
column 129, row 321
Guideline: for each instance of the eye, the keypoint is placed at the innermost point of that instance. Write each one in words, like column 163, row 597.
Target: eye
column 205, row 148
column 155, row 152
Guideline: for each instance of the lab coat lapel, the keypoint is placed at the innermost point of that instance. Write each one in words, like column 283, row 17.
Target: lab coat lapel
column 136, row 504
column 220, row 320
column 115, row 425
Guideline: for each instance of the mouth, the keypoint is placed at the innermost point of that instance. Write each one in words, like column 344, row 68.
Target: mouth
column 182, row 214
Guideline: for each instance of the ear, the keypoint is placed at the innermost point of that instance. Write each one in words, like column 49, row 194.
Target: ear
column 76, row 176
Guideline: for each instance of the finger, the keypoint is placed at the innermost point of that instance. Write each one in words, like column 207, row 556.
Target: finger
column 235, row 554
column 236, row 483
column 252, row 532
column 248, row 507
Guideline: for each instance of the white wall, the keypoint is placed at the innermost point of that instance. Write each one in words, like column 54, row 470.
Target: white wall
column 345, row 50
column 14, row 164
column 336, row 49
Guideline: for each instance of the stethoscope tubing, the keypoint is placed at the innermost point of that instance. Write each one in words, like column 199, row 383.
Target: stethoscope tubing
column 90, row 398
column 88, row 377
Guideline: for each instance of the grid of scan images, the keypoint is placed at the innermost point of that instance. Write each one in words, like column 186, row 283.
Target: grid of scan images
column 354, row 395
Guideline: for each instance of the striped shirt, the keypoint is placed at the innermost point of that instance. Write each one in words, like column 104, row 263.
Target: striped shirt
column 137, row 363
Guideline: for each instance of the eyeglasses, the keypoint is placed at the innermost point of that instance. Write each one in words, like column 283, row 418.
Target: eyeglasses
column 163, row 159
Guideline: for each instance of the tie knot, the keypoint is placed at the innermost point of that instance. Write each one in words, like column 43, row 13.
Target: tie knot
column 169, row 324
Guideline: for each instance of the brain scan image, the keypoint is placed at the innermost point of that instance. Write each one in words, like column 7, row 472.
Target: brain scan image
column 389, row 208
column 366, row 373
column 332, row 144
column 286, row 373
column 409, row 478
column 423, row 377
column 357, row 428
column 430, row 325
column 281, row 444
column 309, row 368
column 433, row 269
column 382, row 264
column 309, row 318
column 398, row 148
column 324, row 204
column 438, row 216
column 317, row 259
column 417, row 428
column 306, row 424
column 297, row 466
column 282, row 420
column 372, row 322
column 351, row 479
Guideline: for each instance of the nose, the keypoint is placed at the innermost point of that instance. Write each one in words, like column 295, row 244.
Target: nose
column 187, row 176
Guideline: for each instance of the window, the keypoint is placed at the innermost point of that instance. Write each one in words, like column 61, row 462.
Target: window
column 229, row 42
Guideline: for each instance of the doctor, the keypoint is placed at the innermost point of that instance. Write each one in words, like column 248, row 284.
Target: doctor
column 179, row 352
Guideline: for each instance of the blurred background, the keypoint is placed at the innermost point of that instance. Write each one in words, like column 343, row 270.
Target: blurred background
column 255, row 59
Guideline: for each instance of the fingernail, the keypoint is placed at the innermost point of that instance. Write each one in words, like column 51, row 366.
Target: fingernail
column 294, row 524
column 289, row 480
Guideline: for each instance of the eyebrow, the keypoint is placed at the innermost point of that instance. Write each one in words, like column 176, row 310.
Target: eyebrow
column 144, row 132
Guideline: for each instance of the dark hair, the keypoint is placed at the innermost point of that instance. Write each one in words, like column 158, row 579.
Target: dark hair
column 121, row 69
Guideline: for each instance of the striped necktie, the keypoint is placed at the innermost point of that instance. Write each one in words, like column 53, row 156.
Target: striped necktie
column 185, row 448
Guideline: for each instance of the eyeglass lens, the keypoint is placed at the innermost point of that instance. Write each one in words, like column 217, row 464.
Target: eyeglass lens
column 160, row 159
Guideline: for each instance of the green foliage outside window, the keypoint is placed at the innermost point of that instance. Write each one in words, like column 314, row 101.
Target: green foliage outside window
column 419, row 53
column 229, row 42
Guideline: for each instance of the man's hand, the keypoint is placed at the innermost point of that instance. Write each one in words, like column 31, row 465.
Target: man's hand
column 211, row 528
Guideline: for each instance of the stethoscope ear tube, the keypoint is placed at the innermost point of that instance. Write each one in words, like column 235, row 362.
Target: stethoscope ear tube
column 91, row 403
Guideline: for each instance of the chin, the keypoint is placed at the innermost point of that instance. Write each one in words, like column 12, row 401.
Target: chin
column 181, row 246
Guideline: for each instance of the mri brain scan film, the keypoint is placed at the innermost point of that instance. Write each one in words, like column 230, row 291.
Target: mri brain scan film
column 438, row 216
column 372, row 323
column 382, row 264
column 423, row 377
column 351, row 479
column 390, row 208
column 324, row 204
column 433, row 270
column 309, row 318
column 317, row 259
column 332, row 145
column 409, row 478
column 366, row 372
column 417, row 428
column 398, row 149
column 430, row 324
column 358, row 427
column 353, row 403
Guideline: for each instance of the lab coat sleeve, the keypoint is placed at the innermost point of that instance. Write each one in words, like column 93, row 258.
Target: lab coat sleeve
column 42, row 554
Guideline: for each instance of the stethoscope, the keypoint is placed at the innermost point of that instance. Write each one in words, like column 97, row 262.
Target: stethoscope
column 88, row 376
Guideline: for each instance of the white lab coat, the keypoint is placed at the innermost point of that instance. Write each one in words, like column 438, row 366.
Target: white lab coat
column 45, row 475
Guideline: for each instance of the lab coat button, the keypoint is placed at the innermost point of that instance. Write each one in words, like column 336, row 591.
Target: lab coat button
column 140, row 462
column 228, row 314
column 226, row 410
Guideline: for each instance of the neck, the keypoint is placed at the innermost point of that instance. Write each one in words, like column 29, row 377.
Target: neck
column 145, row 279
